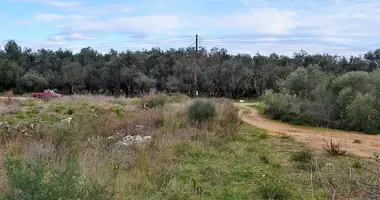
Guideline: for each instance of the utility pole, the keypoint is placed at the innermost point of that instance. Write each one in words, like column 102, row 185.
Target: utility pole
column 196, row 66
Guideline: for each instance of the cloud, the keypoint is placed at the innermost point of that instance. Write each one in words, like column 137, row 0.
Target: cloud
column 48, row 17
column 151, row 24
column 66, row 4
column 69, row 37
column 58, row 4
column 339, row 26
column 256, row 21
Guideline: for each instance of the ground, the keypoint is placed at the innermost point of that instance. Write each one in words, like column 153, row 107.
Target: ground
column 222, row 158
column 355, row 143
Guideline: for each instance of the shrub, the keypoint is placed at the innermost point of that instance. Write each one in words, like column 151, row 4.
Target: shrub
column 303, row 160
column 274, row 191
column 263, row 135
column 285, row 136
column 152, row 118
column 229, row 113
column 201, row 111
column 333, row 148
column 153, row 101
column 357, row 165
column 35, row 180
column 304, row 156
column 64, row 138
column 362, row 114
column 264, row 159
column 356, row 141
column 9, row 108
column 276, row 163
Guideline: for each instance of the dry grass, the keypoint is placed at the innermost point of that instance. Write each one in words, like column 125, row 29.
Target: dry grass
column 9, row 107
column 212, row 156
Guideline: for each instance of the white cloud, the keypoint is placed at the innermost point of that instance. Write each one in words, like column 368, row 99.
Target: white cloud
column 65, row 4
column 48, row 17
column 259, row 21
column 139, row 25
column 339, row 26
column 59, row 4
column 69, row 37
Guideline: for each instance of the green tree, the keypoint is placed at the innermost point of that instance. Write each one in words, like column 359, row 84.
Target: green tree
column 362, row 114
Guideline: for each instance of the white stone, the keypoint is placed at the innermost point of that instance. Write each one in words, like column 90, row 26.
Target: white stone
column 67, row 120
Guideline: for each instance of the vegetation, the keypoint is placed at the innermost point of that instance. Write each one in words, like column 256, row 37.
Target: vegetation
column 311, row 96
column 132, row 73
column 202, row 111
column 224, row 159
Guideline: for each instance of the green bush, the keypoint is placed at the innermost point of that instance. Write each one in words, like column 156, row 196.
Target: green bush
column 34, row 180
column 274, row 191
column 201, row 111
column 303, row 160
column 304, row 156
column 154, row 101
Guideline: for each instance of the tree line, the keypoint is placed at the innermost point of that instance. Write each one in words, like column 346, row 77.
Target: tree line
column 128, row 73
column 311, row 96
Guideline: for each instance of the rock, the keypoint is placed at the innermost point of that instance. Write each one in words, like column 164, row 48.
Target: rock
column 140, row 127
column 4, row 125
column 329, row 165
column 67, row 120
column 129, row 140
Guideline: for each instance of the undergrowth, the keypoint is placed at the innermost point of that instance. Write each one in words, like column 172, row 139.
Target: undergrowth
column 221, row 159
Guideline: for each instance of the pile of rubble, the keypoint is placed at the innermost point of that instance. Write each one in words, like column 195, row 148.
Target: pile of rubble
column 132, row 139
column 137, row 140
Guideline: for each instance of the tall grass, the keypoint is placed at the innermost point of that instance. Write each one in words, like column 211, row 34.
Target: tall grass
column 221, row 159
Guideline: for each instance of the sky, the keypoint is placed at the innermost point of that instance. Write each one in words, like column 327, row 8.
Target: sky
column 343, row 27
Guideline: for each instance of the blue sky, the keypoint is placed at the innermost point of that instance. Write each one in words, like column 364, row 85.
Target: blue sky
column 344, row 27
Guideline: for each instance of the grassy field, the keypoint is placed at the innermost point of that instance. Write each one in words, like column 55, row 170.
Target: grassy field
column 198, row 150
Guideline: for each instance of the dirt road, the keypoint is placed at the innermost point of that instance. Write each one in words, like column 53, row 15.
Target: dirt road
column 314, row 137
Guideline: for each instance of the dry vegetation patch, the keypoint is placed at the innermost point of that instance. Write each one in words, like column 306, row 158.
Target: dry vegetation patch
column 218, row 158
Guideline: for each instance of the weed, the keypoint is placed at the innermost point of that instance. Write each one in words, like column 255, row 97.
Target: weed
column 303, row 160
column 276, row 163
column 246, row 111
column 59, row 108
column 9, row 109
column 152, row 118
column 285, row 136
column 153, row 101
column 263, row 135
column 35, row 180
column 274, row 191
column 65, row 139
column 357, row 141
column 49, row 118
column 264, row 159
column 334, row 149
column 376, row 155
column 357, row 164
column 70, row 111
column 24, row 115
column 304, row 156
column 201, row 111
column 119, row 111
column 136, row 101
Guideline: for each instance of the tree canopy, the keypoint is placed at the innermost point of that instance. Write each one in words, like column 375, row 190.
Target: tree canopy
column 134, row 72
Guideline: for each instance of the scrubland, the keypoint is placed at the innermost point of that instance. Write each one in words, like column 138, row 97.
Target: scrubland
column 72, row 148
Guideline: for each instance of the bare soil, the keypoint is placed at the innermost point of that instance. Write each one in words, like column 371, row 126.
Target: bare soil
column 314, row 137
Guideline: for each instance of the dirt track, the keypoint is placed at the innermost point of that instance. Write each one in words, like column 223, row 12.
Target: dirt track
column 314, row 137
